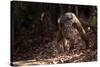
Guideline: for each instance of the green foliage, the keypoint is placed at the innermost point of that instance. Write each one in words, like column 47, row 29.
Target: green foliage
column 93, row 21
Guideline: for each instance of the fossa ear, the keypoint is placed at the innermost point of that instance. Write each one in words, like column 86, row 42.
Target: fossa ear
column 59, row 19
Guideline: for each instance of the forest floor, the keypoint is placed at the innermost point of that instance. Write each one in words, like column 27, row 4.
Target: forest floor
column 81, row 56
